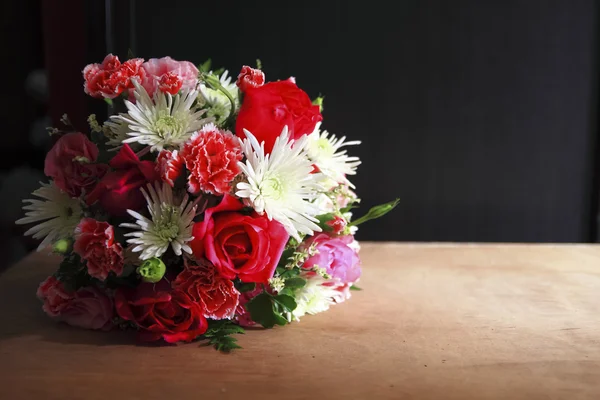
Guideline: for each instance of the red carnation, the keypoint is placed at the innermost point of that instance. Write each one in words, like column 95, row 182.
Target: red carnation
column 170, row 83
column 119, row 190
column 70, row 163
column 111, row 78
column 216, row 295
column 96, row 244
column 169, row 165
column 268, row 108
column 161, row 312
column 250, row 77
column 211, row 156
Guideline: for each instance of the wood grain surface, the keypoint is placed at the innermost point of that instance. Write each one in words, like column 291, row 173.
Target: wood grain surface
column 434, row 321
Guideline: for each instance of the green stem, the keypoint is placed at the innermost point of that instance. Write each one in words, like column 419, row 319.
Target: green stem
column 215, row 83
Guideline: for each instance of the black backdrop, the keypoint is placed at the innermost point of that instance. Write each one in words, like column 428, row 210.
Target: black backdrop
column 479, row 115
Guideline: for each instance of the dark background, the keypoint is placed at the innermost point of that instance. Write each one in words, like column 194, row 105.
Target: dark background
column 480, row 115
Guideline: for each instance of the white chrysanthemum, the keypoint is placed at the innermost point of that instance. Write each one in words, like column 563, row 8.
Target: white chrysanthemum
column 165, row 121
column 116, row 132
column 59, row 212
column 170, row 224
column 280, row 184
column 315, row 297
column 324, row 151
column 216, row 98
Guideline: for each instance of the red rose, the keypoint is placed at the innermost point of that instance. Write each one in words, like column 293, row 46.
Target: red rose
column 96, row 245
column 70, row 163
column 216, row 295
column 248, row 246
column 111, row 78
column 52, row 292
column 250, row 77
column 161, row 312
column 211, row 156
column 119, row 190
column 268, row 108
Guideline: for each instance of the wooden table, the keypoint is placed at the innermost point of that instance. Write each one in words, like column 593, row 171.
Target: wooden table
column 434, row 321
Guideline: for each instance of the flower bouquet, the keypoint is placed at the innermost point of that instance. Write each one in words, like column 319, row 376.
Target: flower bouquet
column 170, row 224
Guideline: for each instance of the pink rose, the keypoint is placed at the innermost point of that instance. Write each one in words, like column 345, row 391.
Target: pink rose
column 89, row 309
column 335, row 256
column 70, row 163
column 96, row 245
column 168, row 75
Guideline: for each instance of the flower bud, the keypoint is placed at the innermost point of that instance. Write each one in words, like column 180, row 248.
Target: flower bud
column 152, row 270
column 62, row 246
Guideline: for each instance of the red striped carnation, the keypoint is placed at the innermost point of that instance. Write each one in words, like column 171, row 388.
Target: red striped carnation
column 211, row 156
column 169, row 165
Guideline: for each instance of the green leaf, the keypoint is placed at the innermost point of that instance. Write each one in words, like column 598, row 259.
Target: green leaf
column 354, row 287
column 258, row 63
column 218, row 335
column 295, row 283
column 279, row 320
column 287, row 291
column 205, row 66
column 286, row 301
column 130, row 54
column 219, row 71
column 108, row 101
column 376, row 212
column 246, row 287
column 261, row 310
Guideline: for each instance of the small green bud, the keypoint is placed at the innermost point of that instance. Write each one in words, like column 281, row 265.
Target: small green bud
column 152, row 270
column 376, row 212
column 319, row 102
column 62, row 246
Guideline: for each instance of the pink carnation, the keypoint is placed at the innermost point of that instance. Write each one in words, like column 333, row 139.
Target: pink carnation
column 96, row 245
column 52, row 292
column 87, row 308
column 334, row 255
column 111, row 78
column 168, row 75
column 169, row 165
column 211, row 156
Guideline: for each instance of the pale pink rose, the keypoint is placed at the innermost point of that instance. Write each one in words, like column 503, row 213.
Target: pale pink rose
column 334, row 255
column 89, row 309
column 169, row 75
